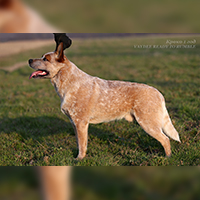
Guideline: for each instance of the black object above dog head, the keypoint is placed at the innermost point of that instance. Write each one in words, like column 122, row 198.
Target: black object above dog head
column 62, row 37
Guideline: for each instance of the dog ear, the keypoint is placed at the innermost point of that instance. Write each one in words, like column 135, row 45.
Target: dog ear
column 60, row 53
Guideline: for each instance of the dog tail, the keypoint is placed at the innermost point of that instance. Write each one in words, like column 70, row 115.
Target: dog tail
column 168, row 127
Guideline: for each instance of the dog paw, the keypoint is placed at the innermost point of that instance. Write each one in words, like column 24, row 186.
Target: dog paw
column 80, row 157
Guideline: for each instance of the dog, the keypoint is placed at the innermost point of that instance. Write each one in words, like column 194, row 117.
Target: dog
column 16, row 17
column 86, row 99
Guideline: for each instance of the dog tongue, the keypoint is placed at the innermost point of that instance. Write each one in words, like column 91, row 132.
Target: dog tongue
column 37, row 73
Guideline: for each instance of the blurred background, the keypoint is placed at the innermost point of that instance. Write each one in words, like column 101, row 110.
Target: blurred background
column 95, row 183
column 167, row 16
column 89, row 16
column 127, row 16
column 109, row 183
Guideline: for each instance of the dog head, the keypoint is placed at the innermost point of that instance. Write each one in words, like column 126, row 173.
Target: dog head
column 49, row 65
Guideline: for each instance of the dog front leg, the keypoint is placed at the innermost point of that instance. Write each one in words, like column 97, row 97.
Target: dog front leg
column 81, row 129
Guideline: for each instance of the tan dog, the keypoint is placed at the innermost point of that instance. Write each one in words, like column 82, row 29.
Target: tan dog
column 86, row 99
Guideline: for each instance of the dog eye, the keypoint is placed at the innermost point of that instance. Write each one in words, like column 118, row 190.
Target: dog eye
column 45, row 59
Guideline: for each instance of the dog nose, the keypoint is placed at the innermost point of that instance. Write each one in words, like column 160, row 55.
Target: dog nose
column 30, row 61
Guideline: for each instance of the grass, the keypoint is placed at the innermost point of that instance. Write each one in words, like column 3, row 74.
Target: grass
column 34, row 132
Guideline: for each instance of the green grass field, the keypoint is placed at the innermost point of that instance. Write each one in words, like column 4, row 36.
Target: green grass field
column 35, row 132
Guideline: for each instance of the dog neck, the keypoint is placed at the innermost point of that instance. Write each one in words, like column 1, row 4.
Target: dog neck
column 68, row 79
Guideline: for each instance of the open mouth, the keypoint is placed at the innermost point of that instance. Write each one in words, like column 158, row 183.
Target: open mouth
column 39, row 73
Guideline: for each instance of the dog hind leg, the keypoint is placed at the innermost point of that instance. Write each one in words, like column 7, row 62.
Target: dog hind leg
column 154, row 129
column 158, row 134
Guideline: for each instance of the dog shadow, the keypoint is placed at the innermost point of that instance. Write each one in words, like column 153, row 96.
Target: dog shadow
column 37, row 128
column 34, row 127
